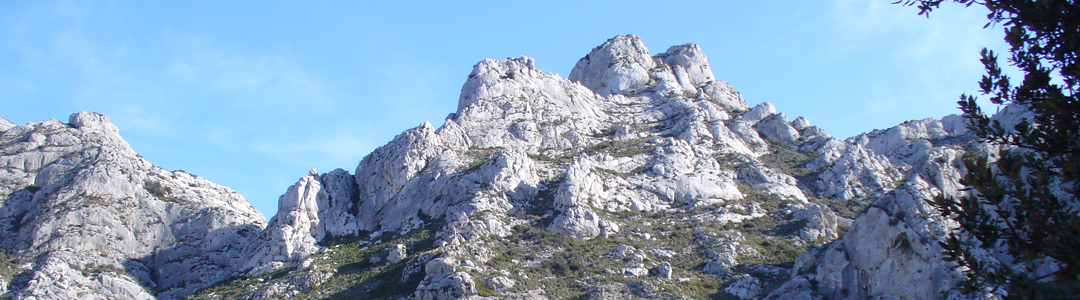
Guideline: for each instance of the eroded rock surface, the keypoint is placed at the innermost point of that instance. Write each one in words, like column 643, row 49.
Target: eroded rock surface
column 536, row 187
column 85, row 216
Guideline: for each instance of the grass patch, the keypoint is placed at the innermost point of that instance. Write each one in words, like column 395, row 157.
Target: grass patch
column 788, row 161
column 731, row 161
column 561, row 160
column 354, row 275
column 9, row 266
column 636, row 171
column 162, row 192
column 845, row 208
column 565, row 268
column 624, row 148
column 478, row 156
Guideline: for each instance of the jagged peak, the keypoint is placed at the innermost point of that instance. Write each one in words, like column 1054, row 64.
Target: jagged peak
column 104, row 131
column 423, row 131
column 1013, row 114
column 800, row 123
column 91, row 121
column 621, row 65
column 627, row 46
column 691, row 60
column 484, row 81
column 5, row 124
column 759, row 112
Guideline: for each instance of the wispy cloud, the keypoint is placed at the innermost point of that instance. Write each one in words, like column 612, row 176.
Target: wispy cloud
column 178, row 95
column 937, row 57
column 255, row 81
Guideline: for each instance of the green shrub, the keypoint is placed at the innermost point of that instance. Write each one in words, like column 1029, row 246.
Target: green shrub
column 162, row 192
column 9, row 266
column 785, row 160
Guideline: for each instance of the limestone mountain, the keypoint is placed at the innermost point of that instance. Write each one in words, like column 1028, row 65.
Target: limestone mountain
column 639, row 176
column 86, row 217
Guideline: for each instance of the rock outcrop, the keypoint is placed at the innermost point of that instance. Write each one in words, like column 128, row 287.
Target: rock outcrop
column 87, row 216
column 536, row 187
column 892, row 250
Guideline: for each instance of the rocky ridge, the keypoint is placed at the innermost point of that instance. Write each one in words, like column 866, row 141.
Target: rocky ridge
column 83, row 215
column 639, row 176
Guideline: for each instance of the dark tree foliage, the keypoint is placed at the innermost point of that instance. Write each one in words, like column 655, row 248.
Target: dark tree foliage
column 1025, row 203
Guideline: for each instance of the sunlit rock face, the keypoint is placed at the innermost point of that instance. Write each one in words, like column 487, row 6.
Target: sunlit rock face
column 87, row 216
column 636, row 174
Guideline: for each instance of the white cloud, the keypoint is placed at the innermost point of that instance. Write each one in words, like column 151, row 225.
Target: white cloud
column 935, row 59
column 254, row 80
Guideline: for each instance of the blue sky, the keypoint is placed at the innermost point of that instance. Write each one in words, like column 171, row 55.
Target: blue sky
column 253, row 94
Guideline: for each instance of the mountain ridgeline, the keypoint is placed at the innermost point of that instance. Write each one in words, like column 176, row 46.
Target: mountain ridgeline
column 640, row 176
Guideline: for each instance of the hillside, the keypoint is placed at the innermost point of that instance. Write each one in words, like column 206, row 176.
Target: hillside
column 639, row 176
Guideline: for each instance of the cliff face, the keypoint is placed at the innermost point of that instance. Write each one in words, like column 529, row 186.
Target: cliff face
column 84, row 215
column 640, row 176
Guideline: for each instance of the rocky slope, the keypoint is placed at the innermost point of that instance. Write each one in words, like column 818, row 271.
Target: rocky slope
column 86, row 217
column 640, row 176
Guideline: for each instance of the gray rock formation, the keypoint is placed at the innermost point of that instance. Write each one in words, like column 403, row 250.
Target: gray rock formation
column 291, row 234
column 634, row 162
column 892, row 250
column 88, row 216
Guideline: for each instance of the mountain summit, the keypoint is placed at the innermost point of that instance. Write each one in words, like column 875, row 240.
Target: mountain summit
column 640, row 176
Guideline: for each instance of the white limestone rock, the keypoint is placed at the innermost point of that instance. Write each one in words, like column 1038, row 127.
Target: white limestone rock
column 499, row 283
column 528, row 110
column 724, row 250
column 623, row 251
column 634, row 271
column 955, row 124
column 574, row 200
column 797, row 288
column 79, row 189
column 800, row 123
column 745, row 131
column 578, row 222
column 682, row 174
column 724, row 94
column 772, row 182
column 814, row 132
column 619, row 66
column 5, row 124
column 443, row 282
column 758, row 113
column 626, row 133
column 622, row 66
column 775, row 127
column 746, row 287
column 910, row 142
column 663, row 270
column 338, row 210
column 396, row 253
column 291, row 234
column 822, row 224
column 721, row 266
column 849, row 171
column 1010, row 116
column 291, row 287
column 892, row 250
column 62, row 275
column 688, row 61
column 384, row 175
